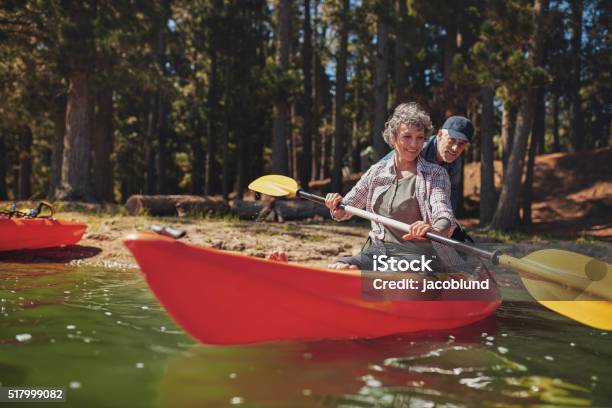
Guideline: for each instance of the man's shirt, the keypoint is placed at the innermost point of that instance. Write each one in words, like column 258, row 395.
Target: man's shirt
column 453, row 169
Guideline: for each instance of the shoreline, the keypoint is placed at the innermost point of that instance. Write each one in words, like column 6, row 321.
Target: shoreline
column 314, row 243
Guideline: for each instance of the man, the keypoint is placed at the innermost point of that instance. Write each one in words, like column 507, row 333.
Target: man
column 445, row 149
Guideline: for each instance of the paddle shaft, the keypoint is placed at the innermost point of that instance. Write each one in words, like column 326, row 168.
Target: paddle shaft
column 402, row 226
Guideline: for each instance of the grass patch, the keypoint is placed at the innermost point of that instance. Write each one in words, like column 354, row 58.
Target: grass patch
column 507, row 237
column 588, row 240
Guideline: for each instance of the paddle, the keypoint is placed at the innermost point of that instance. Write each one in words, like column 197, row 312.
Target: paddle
column 31, row 213
column 550, row 274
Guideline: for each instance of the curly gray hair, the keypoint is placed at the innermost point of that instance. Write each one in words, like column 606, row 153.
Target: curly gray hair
column 409, row 114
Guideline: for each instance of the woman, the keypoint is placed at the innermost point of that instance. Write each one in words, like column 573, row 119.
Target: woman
column 407, row 188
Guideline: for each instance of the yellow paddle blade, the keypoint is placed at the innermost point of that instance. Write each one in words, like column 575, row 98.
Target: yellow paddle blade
column 275, row 185
column 594, row 313
column 571, row 284
column 572, row 303
column 581, row 273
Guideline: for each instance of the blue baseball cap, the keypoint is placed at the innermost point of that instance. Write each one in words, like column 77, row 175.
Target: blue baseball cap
column 459, row 127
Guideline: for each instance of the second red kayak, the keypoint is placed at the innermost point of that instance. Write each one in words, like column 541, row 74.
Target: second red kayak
column 35, row 233
column 220, row 297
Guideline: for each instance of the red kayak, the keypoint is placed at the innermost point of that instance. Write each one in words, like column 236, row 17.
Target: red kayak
column 220, row 297
column 35, row 233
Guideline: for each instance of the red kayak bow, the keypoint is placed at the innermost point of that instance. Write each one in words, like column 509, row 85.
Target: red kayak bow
column 220, row 297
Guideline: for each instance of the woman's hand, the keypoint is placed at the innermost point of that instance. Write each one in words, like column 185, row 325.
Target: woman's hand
column 332, row 201
column 418, row 230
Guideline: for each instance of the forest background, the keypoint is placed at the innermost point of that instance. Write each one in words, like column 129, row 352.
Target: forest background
column 101, row 99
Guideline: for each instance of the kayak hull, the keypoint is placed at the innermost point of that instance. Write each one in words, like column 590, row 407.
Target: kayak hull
column 225, row 298
column 35, row 233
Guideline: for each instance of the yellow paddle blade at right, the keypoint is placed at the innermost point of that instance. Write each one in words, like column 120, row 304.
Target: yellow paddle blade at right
column 570, row 269
column 594, row 313
column 571, row 284
column 275, row 185
column 572, row 303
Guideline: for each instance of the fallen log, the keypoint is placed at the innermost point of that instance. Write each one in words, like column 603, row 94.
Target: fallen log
column 266, row 209
column 196, row 205
column 278, row 210
column 171, row 205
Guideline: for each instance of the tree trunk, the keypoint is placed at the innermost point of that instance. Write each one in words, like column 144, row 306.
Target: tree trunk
column 15, row 182
column 380, row 83
column 401, row 73
column 150, row 186
column 255, row 145
column 279, row 134
column 25, row 164
column 528, row 184
column 225, row 159
column 506, row 214
column 507, row 208
column 539, row 121
column 474, row 115
column 59, row 128
column 597, row 123
column 75, row 180
column 103, row 145
column 555, row 115
column 507, row 133
column 211, row 161
column 576, row 125
column 316, row 139
column 292, row 143
column 487, row 174
column 163, row 128
column 161, row 158
column 241, row 176
column 340, row 97
column 318, row 95
column 537, row 136
column 326, row 145
column 197, row 164
column 356, row 148
column 306, row 159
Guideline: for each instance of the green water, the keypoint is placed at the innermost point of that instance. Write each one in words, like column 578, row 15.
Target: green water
column 101, row 335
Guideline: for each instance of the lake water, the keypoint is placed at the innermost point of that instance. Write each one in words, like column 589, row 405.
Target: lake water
column 101, row 335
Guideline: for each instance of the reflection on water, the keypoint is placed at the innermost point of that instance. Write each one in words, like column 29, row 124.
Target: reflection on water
column 426, row 372
column 101, row 334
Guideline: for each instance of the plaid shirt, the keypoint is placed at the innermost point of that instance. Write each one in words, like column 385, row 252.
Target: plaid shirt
column 432, row 194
